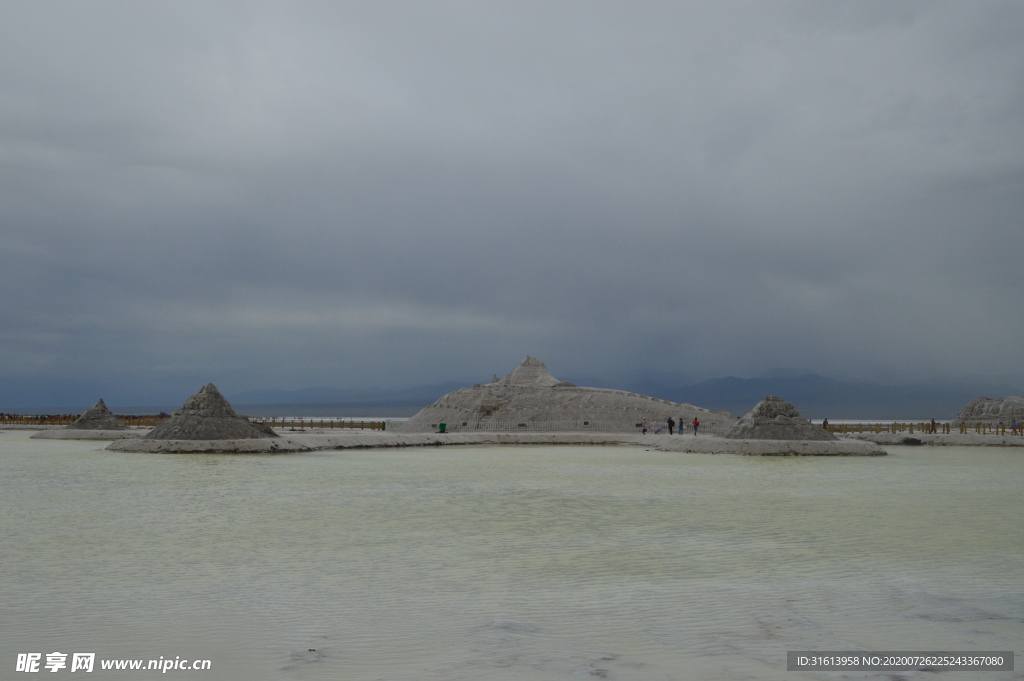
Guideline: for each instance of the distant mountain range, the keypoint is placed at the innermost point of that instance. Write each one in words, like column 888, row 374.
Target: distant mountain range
column 819, row 397
column 418, row 396
column 813, row 395
column 324, row 401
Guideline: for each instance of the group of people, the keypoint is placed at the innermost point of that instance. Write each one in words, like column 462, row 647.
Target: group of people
column 672, row 424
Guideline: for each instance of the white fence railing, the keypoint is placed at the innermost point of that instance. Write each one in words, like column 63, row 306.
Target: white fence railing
column 940, row 428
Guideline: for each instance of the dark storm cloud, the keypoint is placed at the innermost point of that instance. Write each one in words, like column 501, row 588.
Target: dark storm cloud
column 291, row 194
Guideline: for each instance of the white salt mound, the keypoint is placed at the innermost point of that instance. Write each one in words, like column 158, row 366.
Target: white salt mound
column 529, row 394
column 99, row 417
column 208, row 416
column 775, row 419
column 992, row 410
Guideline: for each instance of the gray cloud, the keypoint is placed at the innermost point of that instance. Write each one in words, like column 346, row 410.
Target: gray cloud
column 295, row 194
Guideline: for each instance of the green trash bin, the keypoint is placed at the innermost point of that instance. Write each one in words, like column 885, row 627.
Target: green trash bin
column 441, row 427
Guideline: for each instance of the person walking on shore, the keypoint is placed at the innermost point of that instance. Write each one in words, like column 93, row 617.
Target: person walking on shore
column 643, row 425
column 695, row 424
column 671, row 425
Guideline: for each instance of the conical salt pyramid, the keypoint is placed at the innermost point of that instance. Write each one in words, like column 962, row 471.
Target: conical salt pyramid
column 775, row 419
column 97, row 418
column 208, row 416
column 531, row 371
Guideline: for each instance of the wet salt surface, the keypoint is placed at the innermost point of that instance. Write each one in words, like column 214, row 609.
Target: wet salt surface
column 507, row 562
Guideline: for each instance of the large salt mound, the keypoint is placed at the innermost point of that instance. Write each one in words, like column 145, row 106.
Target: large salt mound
column 98, row 418
column 775, row 419
column 208, row 416
column 992, row 410
column 530, row 395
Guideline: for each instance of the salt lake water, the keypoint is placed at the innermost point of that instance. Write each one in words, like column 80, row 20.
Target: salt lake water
column 506, row 563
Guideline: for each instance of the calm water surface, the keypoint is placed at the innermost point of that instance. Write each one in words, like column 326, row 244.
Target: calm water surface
column 506, row 563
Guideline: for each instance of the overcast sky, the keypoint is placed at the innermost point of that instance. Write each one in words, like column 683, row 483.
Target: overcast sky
column 352, row 194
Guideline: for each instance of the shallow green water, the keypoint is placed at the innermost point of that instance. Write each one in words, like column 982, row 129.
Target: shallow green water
column 505, row 563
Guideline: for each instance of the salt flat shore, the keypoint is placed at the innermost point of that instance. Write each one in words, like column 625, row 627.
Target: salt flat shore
column 326, row 440
column 72, row 434
column 318, row 439
column 938, row 439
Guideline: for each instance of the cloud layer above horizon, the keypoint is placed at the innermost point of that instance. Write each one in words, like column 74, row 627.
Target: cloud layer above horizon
column 269, row 194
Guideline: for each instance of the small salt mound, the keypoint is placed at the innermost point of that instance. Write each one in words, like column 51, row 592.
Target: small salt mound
column 775, row 419
column 531, row 371
column 98, row 418
column 208, row 416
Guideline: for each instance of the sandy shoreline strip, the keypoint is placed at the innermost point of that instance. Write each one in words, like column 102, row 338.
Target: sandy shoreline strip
column 82, row 434
column 939, row 439
column 317, row 441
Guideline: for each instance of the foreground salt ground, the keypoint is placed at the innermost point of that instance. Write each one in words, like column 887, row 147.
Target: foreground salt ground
column 326, row 440
column 502, row 563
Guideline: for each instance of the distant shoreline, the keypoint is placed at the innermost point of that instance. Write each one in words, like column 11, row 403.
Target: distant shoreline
column 366, row 412
column 321, row 440
column 325, row 439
